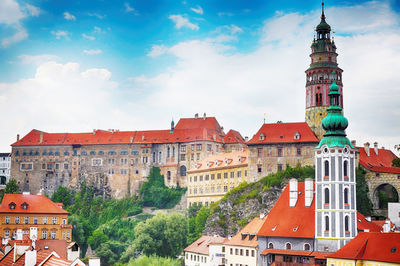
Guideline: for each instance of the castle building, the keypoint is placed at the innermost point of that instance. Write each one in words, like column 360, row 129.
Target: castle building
column 33, row 214
column 277, row 144
column 319, row 76
column 114, row 162
column 213, row 177
column 5, row 165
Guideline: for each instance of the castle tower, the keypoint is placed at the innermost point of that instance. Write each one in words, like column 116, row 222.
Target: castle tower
column 335, row 180
column 318, row 76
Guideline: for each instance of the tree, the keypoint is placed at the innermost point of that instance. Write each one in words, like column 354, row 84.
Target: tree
column 11, row 187
column 97, row 238
column 63, row 195
column 396, row 162
column 364, row 204
column 197, row 224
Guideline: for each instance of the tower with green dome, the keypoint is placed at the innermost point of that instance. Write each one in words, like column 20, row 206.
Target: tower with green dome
column 335, row 179
column 318, row 76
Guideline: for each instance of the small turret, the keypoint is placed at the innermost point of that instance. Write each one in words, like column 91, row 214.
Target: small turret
column 172, row 126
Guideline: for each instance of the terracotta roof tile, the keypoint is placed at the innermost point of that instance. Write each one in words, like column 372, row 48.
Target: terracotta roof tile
column 284, row 133
column 372, row 246
column 364, row 224
column 201, row 245
column 247, row 236
column 381, row 162
column 233, row 136
column 36, row 204
column 230, row 159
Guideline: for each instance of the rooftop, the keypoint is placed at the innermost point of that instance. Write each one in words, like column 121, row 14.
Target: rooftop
column 219, row 161
column 381, row 162
column 201, row 245
column 13, row 203
column 248, row 235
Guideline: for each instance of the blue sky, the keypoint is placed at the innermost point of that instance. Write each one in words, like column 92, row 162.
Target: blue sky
column 78, row 65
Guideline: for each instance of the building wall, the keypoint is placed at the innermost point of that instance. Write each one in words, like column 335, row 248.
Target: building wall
column 5, row 166
column 61, row 227
column 375, row 179
column 394, row 212
column 265, row 159
column 248, row 257
column 196, row 259
column 216, row 255
column 207, row 187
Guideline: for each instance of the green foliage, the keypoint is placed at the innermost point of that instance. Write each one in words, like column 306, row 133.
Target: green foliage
column 396, row 162
column 197, row 224
column 155, row 260
column 155, row 193
column 110, row 252
column 242, row 223
column 97, row 238
column 11, row 187
column 364, row 204
column 63, row 195
column 163, row 235
column 298, row 172
column 193, row 209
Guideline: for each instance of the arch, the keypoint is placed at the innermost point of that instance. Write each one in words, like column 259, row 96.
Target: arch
column 326, row 223
column 346, row 224
column 326, row 168
column 383, row 194
column 183, row 170
column 307, row 246
column 346, row 195
column 169, row 175
column 288, row 245
column 326, row 195
column 270, row 245
column 346, row 168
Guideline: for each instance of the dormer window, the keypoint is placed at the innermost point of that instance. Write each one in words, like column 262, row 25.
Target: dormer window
column 24, row 206
column 262, row 136
column 12, row 205
column 296, row 136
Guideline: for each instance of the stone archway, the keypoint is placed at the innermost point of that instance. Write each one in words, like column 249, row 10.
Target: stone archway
column 383, row 194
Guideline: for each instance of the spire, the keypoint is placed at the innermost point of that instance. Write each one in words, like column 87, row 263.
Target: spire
column 323, row 14
column 172, row 126
column 334, row 123
column 323, row 29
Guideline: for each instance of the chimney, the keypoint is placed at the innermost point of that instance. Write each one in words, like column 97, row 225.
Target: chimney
column 142, row 136
column 215, row 137
column 33, row 233
column 376, row 148
column 30, row 257
column 366, row 148
column 94, row 261
column 19, row 234
column 308, row 192
column 246, row 139
column 26, row 193
column 41, row 138
column 94, row 132
column 196, row 115
column 262, row 215
column 293, row 196
column 353, row 142
column 131, row 139
column 204, row 116
column 17, row 137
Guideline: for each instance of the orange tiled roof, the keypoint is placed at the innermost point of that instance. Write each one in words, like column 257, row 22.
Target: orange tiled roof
column 299, row 221
column 201, row 122
column 378, row 163
column 201, row 245
column 36, row 204
column 249, row 231
column 364, row 224
column 233, row 136
column 229, row 159
column 284, row 133
column 373, row 246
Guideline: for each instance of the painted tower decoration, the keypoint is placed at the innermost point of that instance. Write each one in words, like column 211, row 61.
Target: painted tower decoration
column 335, row 210
column 318, row 76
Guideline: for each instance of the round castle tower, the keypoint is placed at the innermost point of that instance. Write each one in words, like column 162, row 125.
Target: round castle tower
column 319, row 76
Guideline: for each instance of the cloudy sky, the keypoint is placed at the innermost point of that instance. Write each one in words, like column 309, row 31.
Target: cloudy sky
column 72, row 66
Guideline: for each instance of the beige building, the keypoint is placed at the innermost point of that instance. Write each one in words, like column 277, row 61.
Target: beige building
column 205, row 251
column 214, row 176
column 278, row 144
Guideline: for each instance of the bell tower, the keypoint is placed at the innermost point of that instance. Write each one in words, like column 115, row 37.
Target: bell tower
column 318, row 76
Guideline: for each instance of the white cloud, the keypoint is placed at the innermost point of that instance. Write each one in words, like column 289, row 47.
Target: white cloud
column 60, row 34
column 130, row 9
column 37, row 59
column 92, row 52
column 69, row 16
column 33, row 10
column 157, row 50
column 88, row 37
column 97, row 29
column 10, row 12
column 96, row 15
column 18, row 36
column 198, row 10
column 182, row 22
column 228, row 14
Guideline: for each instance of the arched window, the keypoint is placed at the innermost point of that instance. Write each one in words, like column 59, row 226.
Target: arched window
column 326, row 168
column 307, row 246
column 288, row 246
column 173, row 151
column 183, row 170
column 345, row 168
column 346, row 223
column 346, row 196
column 326, row 195
column 168, row 151
column 169, row 175
column 270, row 245
column 327, row 223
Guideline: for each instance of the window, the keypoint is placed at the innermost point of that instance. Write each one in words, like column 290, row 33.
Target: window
column 198, row 156
column 231, row 252
column 44, row 219
column 259, row 168
column 288, row 246
column 12, row 206
column 183, row 157
column 307, row 246
column 66, row 153
column 259, row 152
column 346, row 223
column 53, row 234
column 16, row 219
column 326, row 167
column 247, row 252
column 66, row 166
column 252, row 253
column 44, row 234
column 280, row 167
column 124, row 152
column 239, row 173
column 326, row 223
column 207, row 177
column 326, row 196
column 208, row 147
column 26, row 220
column 97, row 162
column 219, row 176
column 279, row 152
column 54, row 220
column 6, row 233
column 124, row 160
column 7, row 219
column 232, row 174
column 270, row 245
column 83, row 152
column 225, row 175
column 236, row 251
column 124, row 171
column 183, row 148
column 198, row 147
column 298, row 151
column 183, row 170
column 241, row 252
column 35, row 220
column 346, row 196
column 345, row 168
column 225, row 188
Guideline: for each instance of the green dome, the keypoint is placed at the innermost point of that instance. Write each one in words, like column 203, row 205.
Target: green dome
column 323, row 26
column 335, row 123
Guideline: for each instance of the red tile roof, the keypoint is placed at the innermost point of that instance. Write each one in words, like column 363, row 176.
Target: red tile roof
column 243, row 237
column 299, row 221
column 364, row 224
column 284, row 133
column 383, row 247
column 59, row 246
column 36, row 204
column 378, row 163
column 286, row 252
column 222, row 161
column 201, row 245
column 233, row 136
column 187, row 130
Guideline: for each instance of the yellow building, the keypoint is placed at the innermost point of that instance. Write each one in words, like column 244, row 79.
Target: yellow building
column 367, row 248
column 27, row 212
column 211, row 178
